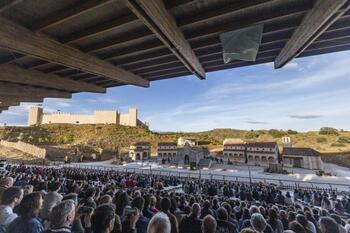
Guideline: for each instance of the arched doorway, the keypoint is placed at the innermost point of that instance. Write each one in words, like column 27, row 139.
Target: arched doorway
column 144, row 155
column 187, row 159
column 138, row 156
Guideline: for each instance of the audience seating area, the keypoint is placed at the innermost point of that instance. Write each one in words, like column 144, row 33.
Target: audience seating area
column 45, row 199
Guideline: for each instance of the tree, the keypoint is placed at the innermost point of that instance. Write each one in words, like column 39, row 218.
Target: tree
column 328, row 131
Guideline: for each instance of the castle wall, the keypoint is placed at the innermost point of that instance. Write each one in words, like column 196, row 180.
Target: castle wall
column 106, row 117
column 129, row 118
column 66, row 118
column 37, row 117
column 26, row 148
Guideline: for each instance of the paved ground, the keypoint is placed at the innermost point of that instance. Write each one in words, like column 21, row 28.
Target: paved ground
column 303, row 177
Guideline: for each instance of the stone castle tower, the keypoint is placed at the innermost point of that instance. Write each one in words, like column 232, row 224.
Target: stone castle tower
column 35, row 116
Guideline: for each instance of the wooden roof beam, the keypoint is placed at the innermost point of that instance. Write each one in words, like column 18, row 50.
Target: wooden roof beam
column 22, row 40
column 316, row 21
column 11, row 89
column 6, row 4
column 67, row 14
column 155, row 16
column 13, row 98
column 15, row 74
column 9, row 103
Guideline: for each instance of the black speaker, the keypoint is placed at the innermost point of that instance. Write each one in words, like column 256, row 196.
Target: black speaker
column 193, row 166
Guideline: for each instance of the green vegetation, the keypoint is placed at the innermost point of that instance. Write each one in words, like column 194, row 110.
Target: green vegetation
column 117, row 136
column 321, row 140
column 328, row 131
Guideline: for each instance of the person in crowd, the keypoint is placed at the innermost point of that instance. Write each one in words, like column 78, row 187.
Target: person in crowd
column 62, row 217
column 51, row 199
column 274, row 222
column 308, row 226
column 207, row 210
column 258, row 223
column 209, row 224
column 328, row 225
column 141, row 225
column 339, row 222
column 10, row 198
column 223, row 225
column 28, row 211
column 165, row 208
column 159, row 223
column 102, row 220
column 192, row 223
column 5, row 182
column 296, row 227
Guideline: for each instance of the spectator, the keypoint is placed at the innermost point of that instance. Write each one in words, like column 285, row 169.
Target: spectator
column 274, row 222
column 308, row 226
column 339, row 222
column 142, row 223
column 296, row 227
column 223, row 225
column 209, row 224
column 28, row 221
column 5, row 183
column 165, row 208
column 102, row 220
column 51, row 199
column 192, row 223
column 258, row 223
column 62, row 217
column 328, row 225
column 11, row 197
column 159, row 224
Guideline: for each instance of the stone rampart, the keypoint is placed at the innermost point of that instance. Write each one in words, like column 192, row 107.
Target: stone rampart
column 26, row 148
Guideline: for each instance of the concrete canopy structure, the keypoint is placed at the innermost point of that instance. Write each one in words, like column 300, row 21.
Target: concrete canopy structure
column 67, row 47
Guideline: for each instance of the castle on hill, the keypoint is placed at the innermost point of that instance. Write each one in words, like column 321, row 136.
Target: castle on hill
column 37, row 116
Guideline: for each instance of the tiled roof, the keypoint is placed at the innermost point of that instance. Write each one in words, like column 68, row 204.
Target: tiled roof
column 262, row 144
column 167, row 144
column 300, row 151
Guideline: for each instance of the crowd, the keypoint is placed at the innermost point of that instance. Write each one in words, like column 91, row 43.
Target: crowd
column 63, row 200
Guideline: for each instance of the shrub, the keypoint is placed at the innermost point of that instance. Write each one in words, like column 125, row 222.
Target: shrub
column 338, row 145
column 251, row 135
column 343, row 140
column 328, row 131
column 321, row 140
column 276, row 133
column 68, row 138
column 292, row 131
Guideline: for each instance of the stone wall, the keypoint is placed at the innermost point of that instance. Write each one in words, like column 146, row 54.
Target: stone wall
column 37, row 117
column 26, row 148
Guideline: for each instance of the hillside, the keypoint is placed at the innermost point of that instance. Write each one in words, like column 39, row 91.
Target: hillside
column 112, row 136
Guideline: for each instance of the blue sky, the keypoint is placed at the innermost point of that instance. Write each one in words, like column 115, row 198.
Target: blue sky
column 305, row 95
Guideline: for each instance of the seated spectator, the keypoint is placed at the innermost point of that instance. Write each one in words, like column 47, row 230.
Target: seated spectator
column 328, row 225
column 28, row 211
column 62, row 217
column 51, row 199
column 11, row 197
column 258, row 223
column 192, row 223
column 223, row 225
column 308, row 226
column 207, row 210
column 142, row 222
column 338, row 220
column 274, row 222
column 165, row 208
column 159, row 223
column 209, row 224
column 5, row 183
column 105, row 199
column 296, row 227
column 102, row 220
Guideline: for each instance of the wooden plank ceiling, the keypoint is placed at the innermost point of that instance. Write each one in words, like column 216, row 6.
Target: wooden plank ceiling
column 55, row 48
